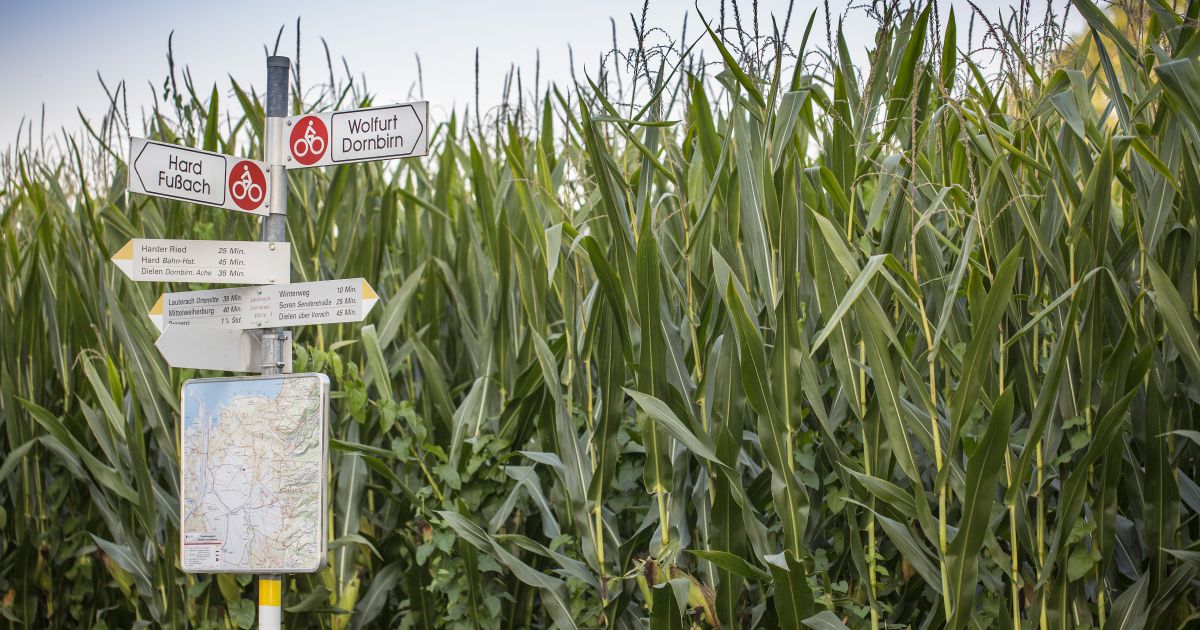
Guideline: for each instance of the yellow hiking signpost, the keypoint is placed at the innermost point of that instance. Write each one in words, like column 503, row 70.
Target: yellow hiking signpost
column 254, row 482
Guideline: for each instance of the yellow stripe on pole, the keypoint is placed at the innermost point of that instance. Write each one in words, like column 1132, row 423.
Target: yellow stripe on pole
column 269, row 591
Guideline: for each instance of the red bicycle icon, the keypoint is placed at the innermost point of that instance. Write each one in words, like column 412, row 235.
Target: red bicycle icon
column 247, row 185
column 310, row 143
column 245, row 188
column 309, row 140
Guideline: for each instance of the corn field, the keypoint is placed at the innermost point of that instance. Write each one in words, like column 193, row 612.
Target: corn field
column 767, row 339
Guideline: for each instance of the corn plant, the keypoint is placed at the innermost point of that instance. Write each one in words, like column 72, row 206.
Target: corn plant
column 773, row 340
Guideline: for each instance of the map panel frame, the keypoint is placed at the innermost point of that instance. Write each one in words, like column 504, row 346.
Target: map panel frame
column 311, row 562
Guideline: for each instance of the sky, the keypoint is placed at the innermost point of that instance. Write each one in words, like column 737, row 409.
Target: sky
column 53, row 51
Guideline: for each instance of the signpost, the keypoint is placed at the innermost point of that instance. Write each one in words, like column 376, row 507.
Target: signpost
column 212, row 179
column 224, row 262
column 242, row 329
column 358, row 135
column 244, row 308
column 225, row 349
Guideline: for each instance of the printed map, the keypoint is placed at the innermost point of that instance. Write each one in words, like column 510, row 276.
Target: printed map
column 254, row 478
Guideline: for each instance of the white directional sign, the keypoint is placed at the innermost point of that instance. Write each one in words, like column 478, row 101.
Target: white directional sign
column 359, row 135
column 213, row 179
column 225, row 349
column 225, row 262
column 242, row 308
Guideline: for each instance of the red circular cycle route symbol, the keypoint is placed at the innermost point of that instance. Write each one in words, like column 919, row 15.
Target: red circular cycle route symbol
column 247, row 185
column 309, row 140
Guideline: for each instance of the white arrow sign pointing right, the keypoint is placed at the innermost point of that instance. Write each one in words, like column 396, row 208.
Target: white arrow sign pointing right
column 358, row 135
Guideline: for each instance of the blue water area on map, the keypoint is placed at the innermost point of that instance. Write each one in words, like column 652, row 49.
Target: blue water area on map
column 205, row 398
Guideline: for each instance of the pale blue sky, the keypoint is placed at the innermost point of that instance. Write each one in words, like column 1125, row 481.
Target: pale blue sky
column 52, row 50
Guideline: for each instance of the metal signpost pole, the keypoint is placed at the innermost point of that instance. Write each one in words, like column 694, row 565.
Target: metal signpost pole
column 274, row 340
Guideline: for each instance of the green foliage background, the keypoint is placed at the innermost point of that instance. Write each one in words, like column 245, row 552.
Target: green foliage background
column 777, row 344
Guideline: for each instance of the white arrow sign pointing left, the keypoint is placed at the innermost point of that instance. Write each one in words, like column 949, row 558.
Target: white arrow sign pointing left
column 212, row 179
column 224, row 262
column 224, row 349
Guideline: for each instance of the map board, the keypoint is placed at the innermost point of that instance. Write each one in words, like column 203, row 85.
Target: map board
column 254, row 474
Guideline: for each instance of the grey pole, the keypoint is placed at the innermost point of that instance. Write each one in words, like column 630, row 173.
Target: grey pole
column 276, row 342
